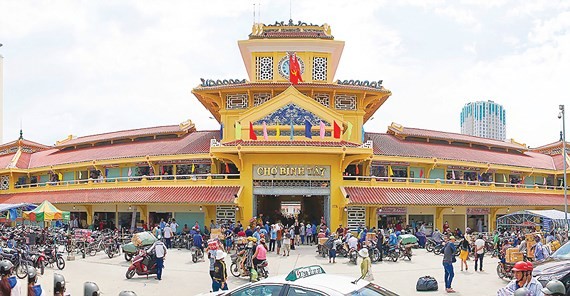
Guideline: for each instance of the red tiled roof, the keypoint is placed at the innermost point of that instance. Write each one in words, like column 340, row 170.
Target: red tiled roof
column 385, row 144
column 5, row 160
column 559, row 163
column 24, row 143
column 423, row 133
column 196, row 142
column 292, row 143
column 398, row 196
column 194, row 195
column 24, row 160
column 167, row 129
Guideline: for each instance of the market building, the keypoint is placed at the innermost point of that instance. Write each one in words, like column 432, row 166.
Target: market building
column 291, row 140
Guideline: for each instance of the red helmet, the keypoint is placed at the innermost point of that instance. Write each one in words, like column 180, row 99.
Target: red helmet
column 520, row 266
column 529, row 266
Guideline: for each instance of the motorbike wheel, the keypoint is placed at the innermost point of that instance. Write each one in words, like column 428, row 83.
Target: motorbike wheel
column 429, row 247
column 262, row 272
column 234, row 269
column 437, row 251
column 68, row 248
column 22, row 270
column 394, row 256
column 130, row 273
column 375, row 256
column 501, row 272
column 60, row 263
column 92, row 251
column 110, row 253
column 194, row 258
column 128, row 257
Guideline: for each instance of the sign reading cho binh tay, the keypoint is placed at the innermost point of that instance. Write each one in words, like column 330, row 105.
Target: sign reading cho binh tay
column 291, row 171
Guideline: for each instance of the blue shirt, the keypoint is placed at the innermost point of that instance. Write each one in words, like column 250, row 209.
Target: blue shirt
column 162, row 224
column 256, row 235
column 539, row 252
column 197, row 240
column 273, row 234
column 248, row 232
column 393, row 239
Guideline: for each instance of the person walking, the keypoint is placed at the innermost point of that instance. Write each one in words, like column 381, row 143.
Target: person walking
column 479, row 252
column 448, row 259
column 168, row 236
column 160, row 252
column 286, row 242
column 365, row 265
column 302, row 233
column 464, row 252
column 272, row 238
column 220, row 273
column 212, row 251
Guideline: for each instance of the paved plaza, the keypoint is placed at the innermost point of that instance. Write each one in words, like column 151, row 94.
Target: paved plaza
column 182, row 277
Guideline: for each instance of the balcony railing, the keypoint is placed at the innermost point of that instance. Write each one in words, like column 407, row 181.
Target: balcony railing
column 132, row 179
column 447, row 182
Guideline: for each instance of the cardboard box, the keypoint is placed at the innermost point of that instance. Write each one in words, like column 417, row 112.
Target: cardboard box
column 516, row 257
column 371, row 236
column 322, row 240
column 216, row 233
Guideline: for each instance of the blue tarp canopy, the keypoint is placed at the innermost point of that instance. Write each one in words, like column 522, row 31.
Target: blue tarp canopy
column 546, row 219
column 14, row 210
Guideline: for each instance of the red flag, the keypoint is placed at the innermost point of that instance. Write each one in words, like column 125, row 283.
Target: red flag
column 357, row 171
column 294, row 70
column 252, row 135
column 336, row 131
column 421, row 173
column 227, row 168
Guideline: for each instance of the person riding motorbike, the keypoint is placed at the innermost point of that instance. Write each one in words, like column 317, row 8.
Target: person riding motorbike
column 197, row 241
column 437, row 236
column 352, row 243
column 554, row 287
column 523, row 278
column 393, row 239
column 33, row 289
column 91, row 289
column 58, row 285
column 8, row 283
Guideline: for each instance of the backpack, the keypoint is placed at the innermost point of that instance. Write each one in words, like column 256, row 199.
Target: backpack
column 426, row 283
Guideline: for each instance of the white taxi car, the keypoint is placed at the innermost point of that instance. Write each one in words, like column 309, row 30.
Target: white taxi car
column 308, row 281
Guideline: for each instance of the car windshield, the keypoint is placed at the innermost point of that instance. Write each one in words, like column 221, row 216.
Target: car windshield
column 563, row 252
column 372, row 290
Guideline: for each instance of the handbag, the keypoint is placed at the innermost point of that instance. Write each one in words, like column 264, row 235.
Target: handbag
column 426, row 283
column 453, row 259
column 369, row 277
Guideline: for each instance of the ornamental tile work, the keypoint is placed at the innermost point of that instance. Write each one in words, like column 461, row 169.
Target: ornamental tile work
column 289, row 112
column 260, row 98
column 264, row 68
column 319, row 69
column 345, row 102
column 237, row 101
column 323, row 99
column 4, row 183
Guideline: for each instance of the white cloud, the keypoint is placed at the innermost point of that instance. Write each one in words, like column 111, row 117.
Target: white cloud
column 90, row 67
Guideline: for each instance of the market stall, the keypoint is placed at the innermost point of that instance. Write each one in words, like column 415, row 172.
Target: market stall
column 11, row 212
column 544, row 220
column 46, row 212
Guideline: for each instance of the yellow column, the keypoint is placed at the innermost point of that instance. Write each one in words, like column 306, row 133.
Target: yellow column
column 144, row 213
column 89, row 210
column 439, row 218
column 493, row 218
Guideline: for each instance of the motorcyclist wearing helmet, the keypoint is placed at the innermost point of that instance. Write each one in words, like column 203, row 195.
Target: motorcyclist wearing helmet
column 58, row 284
column 8, row 284
column 33, row 289
column 523, row 278
column 91, row 289
column 554, row 287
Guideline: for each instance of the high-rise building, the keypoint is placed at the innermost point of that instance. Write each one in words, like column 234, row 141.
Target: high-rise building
column 484, row 119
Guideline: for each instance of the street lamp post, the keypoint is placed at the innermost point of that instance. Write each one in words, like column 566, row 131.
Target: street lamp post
column 561, row 115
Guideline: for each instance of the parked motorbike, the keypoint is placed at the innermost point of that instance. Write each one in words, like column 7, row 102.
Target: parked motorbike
column 143, row 264
column 39, row 261
column 430, row 244
column 112, row 249
column 406, row 252
column 54, row 257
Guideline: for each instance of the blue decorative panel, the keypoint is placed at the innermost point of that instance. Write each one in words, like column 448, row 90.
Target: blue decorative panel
column 290, row 112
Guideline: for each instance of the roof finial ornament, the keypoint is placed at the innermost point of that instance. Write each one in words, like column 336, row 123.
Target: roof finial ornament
column 21, row 132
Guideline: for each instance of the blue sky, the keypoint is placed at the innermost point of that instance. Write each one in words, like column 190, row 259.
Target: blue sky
column 85, row 67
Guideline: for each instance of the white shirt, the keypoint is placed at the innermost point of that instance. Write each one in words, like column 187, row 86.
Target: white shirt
column 353, row 243
column 167, row 232
column 480, row 243
column 174, row 226
column 159, row 249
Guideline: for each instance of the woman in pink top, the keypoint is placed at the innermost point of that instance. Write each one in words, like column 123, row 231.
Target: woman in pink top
column 260, row 254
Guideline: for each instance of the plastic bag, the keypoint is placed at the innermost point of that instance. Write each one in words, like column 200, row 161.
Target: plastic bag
column 254, row 277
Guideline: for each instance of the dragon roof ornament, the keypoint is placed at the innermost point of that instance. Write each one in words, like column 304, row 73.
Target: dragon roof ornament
column 365, row 83
column 290, row 30
column 211, row 82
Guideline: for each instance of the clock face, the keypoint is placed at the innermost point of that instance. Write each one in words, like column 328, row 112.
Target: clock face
column 284, row 66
